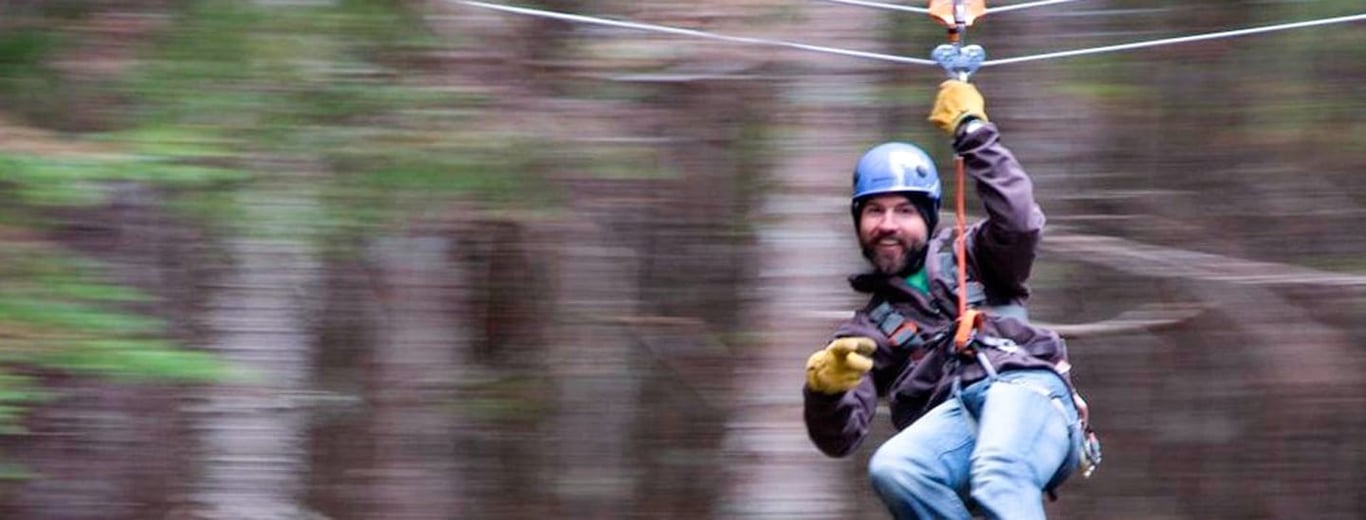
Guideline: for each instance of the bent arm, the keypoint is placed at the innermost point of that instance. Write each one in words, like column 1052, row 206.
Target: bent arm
column 838, row 423
column 1002, row 248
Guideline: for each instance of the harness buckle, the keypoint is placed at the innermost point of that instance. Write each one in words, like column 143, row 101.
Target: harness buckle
column 968, row 325
column 1002, row 344
column 1090, row 453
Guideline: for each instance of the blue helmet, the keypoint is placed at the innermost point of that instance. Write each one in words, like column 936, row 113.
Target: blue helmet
column 898, row 168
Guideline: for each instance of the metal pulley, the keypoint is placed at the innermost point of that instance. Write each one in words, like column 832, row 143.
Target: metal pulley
column 957, row 15
column 958, row 60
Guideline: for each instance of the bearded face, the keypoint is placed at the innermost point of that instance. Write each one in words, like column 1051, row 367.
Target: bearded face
column 892, row 233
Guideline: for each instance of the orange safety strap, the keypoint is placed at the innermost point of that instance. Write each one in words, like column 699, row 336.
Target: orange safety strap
column 957, row 16
column 969, row 320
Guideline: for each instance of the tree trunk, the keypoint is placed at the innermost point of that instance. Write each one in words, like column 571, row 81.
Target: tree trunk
column 417, row 354
column 253, row 432
column 806, row 248
column 591, row 363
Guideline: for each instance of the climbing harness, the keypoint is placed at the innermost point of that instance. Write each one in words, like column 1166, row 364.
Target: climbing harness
column 900, row 331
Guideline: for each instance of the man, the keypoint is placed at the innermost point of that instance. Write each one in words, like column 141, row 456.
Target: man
column 988, row 433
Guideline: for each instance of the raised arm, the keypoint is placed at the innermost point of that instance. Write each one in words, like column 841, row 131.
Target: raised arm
column 1002, row 248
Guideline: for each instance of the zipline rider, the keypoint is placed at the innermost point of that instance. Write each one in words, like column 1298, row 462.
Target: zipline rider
column 1000, row 424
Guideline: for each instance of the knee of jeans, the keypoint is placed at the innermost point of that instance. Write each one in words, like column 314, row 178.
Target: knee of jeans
column 1003, row 489
column 893, row 471
column 991, row 471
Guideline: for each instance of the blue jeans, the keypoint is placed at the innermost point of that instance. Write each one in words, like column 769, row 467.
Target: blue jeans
column 999, row 445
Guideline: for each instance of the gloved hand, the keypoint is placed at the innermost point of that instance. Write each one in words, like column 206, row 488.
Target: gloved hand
column 957, row 102
column 840, row 365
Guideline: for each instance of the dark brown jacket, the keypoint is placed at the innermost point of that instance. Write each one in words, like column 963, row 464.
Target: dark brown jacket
column 1001, row 252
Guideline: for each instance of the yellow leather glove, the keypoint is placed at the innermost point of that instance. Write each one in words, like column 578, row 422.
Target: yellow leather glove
column 957, row 102
column 840, row 365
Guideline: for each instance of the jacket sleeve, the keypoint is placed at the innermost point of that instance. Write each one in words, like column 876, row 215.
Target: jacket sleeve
column 1002, row 248
column 838, row 423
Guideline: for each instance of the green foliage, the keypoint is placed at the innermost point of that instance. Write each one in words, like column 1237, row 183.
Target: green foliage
column 625, row 162
column 224, row 100
column 134, row 360
column 27, row 81
column 16, row 393
column 57, row 315
column 66, row 316
column 380, row 184
column 501, row 400
column 234, row 81
column 39, row 181
column 231, row 64
column 25, row 51
column 172, row 142
column 14, row 472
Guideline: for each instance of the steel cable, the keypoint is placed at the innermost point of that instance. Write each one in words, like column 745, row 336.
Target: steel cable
column 1169, row 41
column 904, row 59
column 922, row 10
column 881, row 5
column 694, row 33
column 1026, row 5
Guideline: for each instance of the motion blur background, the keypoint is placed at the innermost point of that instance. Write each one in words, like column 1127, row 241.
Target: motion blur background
column 410, row 259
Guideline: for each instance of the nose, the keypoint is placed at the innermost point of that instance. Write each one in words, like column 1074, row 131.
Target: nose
column 888, row 222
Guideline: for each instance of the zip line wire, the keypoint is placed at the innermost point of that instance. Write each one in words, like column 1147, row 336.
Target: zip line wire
column 1183, row 39
column 904, row 59
column 1026, row 5
column 880, row 5
column 698, row 34
column 922, row 10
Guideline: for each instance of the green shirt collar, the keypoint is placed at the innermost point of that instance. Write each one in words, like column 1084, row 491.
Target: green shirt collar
column 920, row 281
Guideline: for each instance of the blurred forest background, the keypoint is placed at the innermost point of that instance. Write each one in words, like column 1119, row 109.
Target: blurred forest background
column 412, row 259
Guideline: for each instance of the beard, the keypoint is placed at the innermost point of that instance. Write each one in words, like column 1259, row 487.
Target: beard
column 902, row 259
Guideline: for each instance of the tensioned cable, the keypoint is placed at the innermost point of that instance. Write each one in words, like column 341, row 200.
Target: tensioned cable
column 880, row 5
column 1183, row 39
column 902, row 59
column 1026, row 5
column 922, row 10
column 699, row 34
